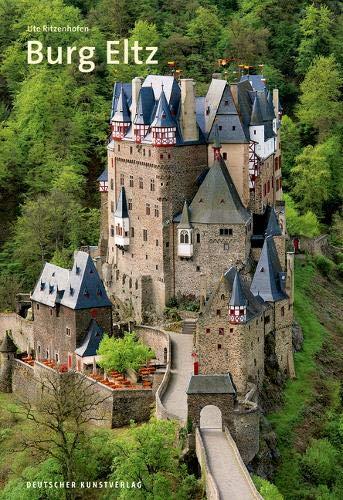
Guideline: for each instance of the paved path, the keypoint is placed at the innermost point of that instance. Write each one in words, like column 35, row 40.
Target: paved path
column 175, row 397
column 225, row 468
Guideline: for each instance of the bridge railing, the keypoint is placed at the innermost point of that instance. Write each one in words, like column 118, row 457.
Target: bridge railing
column 212, row 492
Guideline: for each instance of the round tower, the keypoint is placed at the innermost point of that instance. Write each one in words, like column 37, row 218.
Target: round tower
column 7, row 355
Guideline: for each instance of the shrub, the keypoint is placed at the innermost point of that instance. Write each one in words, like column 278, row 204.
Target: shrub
column 320, row 462
column 172, row 302
column 268, row 490
column 339, row 257
column 340, row 269
column 326, row 266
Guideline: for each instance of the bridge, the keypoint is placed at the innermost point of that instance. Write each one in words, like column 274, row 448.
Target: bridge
column 226, row 475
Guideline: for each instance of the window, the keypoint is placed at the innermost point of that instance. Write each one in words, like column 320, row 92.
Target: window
column 112, row 231
column 156, row 267
column 157, row 243
column 254, row 132
column 161, row 156
column 226, row 103
column 233, row 127
column 131, row 180
column 222, row 296
column 226, row 246
column 112, row 184
column 50, row 312
column 57, row 357
column 149, row 152
column 225, row 232
column 132, row 232
column 37, row 307
column 131, row 150
column 147, row 208
column 184, row 237
column 255, row 362
column 122, row 179
column 224, row 156
column 220, row 127
column 141, row 183
column 208, row 330
column 143, row 152
column 68, row 332
column 282, row 311
column 169, row 155
column 198, row 237
column 198, row 268
column 218, row 312
column 130, row 203
column 221, row 331
column 167, row 244
column 157, row 211
column 266, row 320
column 118, row 147
column 145, row 235
column 39, row 350
column 219, row 346
column 152, row 185
column 112, row 206
column 231, row 330
column 146, row 257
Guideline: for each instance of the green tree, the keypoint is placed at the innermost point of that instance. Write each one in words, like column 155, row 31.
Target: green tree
column 152, row 457
column 316, row 36
column 123, row 353
column 268, row 490
column 300, row 225
column 291, row 144
column 320, row 462
column 319, row 105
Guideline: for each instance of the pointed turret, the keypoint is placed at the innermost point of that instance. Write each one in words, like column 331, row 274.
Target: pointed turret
column 238, row 301
column 103, row 181
column 163, row 125
column 121, row 119
column 185, row 234
column 256, row 118
column 142, row 118
column 269, row 281
column 273, row 227
column 122, row 222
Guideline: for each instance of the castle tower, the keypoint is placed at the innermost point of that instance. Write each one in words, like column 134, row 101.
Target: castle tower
column 163, row 126
column 237, row 303
column 122, row 221
column 103, row 188
column 121, row 119
column 7, row 355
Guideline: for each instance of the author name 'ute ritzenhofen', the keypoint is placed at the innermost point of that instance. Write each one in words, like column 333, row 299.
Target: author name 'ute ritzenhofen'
column 66, row 55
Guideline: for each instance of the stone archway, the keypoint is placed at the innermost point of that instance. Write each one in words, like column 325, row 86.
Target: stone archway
column 211, row 417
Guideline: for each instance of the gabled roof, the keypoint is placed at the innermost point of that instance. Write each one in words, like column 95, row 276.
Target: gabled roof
column 212, row 101
column 211, row 384
column 273, row 227
column 256, row 113
column 7, row 344
column 238, row 297
column 103, row 177
column 269, row 279
column 145, row 106
column 91, row 341
column 122, row 113
column 217, row 200
column 162, row 116
column 121, row 209
column 256, row 81
column 184, row 221
column 78, row 288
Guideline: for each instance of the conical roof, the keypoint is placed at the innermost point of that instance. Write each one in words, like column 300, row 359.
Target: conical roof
column 238, row 297
column 217, row 200
column 162, row 116
column 121, row 210
column 270, row 107
column 122, row 113
column 145, row 105
column 256, row 112
column 7, row 344
column 273, row 227
column 184, row 221
column 268, row 277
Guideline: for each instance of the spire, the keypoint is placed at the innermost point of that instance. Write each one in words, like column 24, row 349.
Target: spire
column 121, row 210
column 163, row 117
column 216, row 144
column 256, row 113
column 238, row 297
column 268, row 278
column 122, row 113
column 273, row 227
column 270, row 107
column 184, row 221
column 7, row 344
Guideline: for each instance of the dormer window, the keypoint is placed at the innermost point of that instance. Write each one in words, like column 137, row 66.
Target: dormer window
column 42, row 285
column 51, row 288
column 77, row 270
column 71, row 290
column 262, row 270
column 86, row 293
column 99, row 292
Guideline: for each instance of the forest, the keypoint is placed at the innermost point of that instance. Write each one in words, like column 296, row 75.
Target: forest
column 54, row 126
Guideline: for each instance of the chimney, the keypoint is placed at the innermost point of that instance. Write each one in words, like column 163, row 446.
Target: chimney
column 276, row 101
column 136, row 87
column 234, row 92
column 188, row 116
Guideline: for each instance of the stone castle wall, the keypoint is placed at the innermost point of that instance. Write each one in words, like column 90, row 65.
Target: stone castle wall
column 21, row 329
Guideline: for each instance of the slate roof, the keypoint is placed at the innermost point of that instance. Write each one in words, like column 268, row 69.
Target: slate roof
column 162, row 116
column 122, row 113
column 145, row 106
column 217, row 200
column 238, row 297
column 269, row 279
column 103, row 177
column 211, row 384
column 91, row 341
column 256, row 81
column 273, row 227
column 7, row 344
column 184, row 221
column 121, row 209
column 78, row 288
column 255, row 305
column 127, row 89
column 256, row 113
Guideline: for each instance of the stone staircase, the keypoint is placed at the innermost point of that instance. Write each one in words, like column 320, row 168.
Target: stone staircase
column 189, row 326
